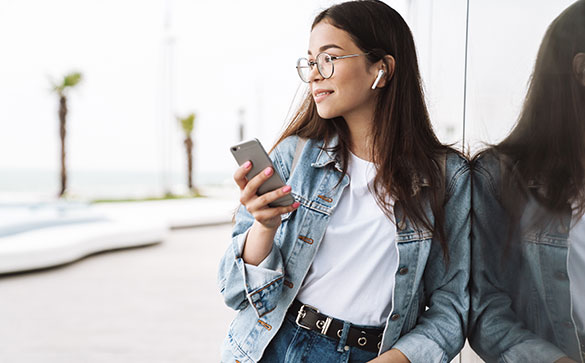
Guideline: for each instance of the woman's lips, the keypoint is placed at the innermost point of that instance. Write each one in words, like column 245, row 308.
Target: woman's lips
column 319, row 95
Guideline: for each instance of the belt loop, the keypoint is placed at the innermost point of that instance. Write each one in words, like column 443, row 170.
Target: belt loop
column 343, row 338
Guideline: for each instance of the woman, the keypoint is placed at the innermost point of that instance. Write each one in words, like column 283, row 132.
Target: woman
column 372, row 260
column 528, row 285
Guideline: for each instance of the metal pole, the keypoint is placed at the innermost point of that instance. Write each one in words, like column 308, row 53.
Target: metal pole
column 167, row 97
column 241, row 120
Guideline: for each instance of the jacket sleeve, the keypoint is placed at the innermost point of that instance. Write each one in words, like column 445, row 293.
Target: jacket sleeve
column 241, row 283
column 495, row 333
column 440, row 330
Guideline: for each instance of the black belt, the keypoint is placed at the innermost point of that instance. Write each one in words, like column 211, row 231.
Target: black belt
column 310, row 318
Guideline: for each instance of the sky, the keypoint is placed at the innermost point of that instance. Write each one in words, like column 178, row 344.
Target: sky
column 115, row 114
column 224, row 57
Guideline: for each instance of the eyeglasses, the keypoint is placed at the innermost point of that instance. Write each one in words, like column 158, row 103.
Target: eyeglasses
column 324, row 64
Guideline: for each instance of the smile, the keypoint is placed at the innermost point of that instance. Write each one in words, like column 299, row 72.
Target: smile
column 320, row 95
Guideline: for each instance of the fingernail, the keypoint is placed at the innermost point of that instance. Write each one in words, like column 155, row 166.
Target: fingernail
column 286, row 189
column 296, row 204
column 247, row 164
column 268, row 171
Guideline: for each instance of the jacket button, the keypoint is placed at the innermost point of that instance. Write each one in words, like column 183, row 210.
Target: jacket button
column 403, row 271
column 395, row 317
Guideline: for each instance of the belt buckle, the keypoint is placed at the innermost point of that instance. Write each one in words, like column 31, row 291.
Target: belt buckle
column 302, row 313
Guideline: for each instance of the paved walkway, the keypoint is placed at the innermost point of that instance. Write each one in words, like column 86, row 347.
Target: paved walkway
column 151, row 304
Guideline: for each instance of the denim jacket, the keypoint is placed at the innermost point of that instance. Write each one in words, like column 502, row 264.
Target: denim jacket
column 520, row 296
column 431, row 300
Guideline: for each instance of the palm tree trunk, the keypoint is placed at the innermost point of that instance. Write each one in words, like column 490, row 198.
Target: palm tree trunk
column 62, row 134
column 189, row 147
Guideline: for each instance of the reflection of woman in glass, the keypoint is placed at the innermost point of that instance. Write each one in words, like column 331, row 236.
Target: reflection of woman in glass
column 528, row 242
column 373, row 258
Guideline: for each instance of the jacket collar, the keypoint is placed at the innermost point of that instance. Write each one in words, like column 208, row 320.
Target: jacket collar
column 326, row 157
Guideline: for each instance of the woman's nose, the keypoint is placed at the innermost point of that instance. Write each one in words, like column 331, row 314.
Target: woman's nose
column 314, row 74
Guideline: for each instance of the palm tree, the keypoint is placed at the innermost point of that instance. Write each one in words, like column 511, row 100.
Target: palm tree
column 69, row 81
column 187, row 124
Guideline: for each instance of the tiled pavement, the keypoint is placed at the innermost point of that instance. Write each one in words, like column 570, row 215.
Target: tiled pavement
column 152, row 304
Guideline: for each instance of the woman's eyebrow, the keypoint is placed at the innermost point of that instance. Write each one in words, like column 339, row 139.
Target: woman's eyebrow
column 325, row 47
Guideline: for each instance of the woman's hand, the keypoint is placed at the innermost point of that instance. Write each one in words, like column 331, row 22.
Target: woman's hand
column 259, row 241
column 391, row 356
column 256, row 205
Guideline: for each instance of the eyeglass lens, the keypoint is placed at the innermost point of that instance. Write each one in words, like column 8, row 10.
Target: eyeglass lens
column 324, row 66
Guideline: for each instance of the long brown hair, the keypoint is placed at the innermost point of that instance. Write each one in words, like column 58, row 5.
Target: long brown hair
column 404, row 147
column 546, row 149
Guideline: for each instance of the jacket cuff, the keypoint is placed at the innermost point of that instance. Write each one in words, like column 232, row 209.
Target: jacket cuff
column 418, row 348
column 272, row 261
column 532, row 350
column 264, row 283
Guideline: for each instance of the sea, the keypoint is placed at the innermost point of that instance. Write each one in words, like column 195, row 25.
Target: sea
column 38, row 184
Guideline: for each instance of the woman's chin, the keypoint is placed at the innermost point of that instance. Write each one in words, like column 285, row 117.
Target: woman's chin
column 325, row 114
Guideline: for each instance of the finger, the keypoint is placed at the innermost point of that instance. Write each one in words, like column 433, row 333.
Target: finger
column 262, row 201
column 254, row 183
column 273, row 212
column 240, row 174
column 274, row 195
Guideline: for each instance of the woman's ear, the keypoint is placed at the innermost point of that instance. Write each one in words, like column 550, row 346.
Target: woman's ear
column 388, row 64
column 579, row 67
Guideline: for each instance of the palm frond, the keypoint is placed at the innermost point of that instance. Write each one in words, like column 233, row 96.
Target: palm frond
column 69, row 81
column 187, row 123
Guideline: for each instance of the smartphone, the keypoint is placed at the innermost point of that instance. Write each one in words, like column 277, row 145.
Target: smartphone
column 252, row 150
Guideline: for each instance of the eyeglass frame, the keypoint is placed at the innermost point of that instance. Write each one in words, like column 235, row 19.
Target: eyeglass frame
column 315, row 63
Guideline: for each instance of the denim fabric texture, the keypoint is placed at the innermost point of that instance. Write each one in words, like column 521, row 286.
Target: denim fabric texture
column 431, row 300
column 520, row 292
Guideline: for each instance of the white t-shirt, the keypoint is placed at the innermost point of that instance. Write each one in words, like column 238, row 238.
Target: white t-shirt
column 353, row 273
column 576, row 271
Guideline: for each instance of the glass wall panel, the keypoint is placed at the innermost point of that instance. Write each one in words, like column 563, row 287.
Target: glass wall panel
column 504, row 37
column 526, row 96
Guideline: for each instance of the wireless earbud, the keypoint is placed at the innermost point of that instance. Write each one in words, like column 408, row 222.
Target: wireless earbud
column 380, row 74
